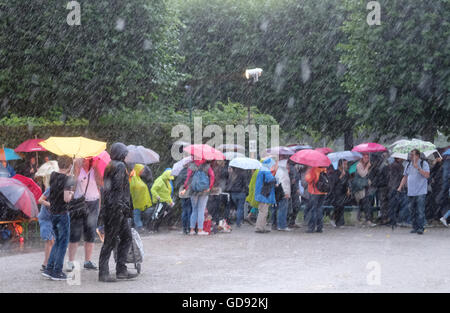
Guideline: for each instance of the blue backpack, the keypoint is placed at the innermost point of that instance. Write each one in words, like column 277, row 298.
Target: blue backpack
column 200, row 181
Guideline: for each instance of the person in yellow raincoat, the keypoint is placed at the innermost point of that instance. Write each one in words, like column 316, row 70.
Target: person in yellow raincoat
column 251, row 197
column 162, row 194
column 140, row 196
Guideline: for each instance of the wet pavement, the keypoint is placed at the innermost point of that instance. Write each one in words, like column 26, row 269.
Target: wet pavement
column 353, row 259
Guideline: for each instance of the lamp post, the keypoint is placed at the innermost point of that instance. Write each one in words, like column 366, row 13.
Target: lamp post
column 188, row 89
column 252, row 76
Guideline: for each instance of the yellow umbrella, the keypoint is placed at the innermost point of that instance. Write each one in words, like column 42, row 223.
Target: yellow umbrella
column 74, row 147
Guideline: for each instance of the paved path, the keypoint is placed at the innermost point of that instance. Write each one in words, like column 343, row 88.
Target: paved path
column 243, row 261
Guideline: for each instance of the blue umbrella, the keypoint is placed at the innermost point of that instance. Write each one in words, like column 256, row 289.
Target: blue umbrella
column 7, row 154
column 447, row 152
column 346, row 155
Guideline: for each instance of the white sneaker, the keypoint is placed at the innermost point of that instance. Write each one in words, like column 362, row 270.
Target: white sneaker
column 70, row 266
column 443, row 220
column 284, row 229
column 202, row 233
column 333, row 223
column 192, row 233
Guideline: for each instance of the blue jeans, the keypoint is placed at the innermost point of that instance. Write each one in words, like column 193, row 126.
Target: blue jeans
column 198, row 211
column 137, row 218
column 239, row 200
column 186, row 213
column 61, row 228
column 283, row 206
column 417, row 211
column 314, row 212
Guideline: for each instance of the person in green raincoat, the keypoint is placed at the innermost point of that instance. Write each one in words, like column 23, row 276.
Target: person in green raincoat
column 162, row 194
column 140, row 196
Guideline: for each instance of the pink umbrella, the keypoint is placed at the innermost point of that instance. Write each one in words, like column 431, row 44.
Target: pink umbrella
column 324, row 150
column 311, row 158
column 369, row 147
column 204, row 152
column 31, row 145
column 103, row 161
column 19, row 195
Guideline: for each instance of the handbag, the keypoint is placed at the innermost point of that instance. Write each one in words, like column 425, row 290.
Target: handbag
column 77, row 207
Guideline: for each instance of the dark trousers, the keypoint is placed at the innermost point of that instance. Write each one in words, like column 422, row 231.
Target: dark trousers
column 383, row 202
column 186, row 213
column 366, row 206
column 294, row 208
column 398, row 207
column 338, row 214
column 417, row 209
column 117, row 234
column 314, row 212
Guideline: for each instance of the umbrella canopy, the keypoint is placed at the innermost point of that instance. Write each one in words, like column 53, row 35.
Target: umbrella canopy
column 396, row 155
column 311, row 158
column 346, row 155
column 74, row 147
column 31, row 185
column 7, row 154
column 405, row 146
column 447, row 152
column 178, row 166
column 103, row 160
column 232, row 155
column 204, row 152
column 19, row 195
column 30, row 145
column 324, row 150
column 369, row 148
column 141, row 155
column 280, row 151
column 46, row 170
column 246, row 163
column 231, row 147
column 296, row 148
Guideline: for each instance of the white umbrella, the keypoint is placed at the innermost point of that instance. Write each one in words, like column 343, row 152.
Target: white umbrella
column 178, row 166
column 46, row 170
column 246, row 163
column 403, row 156
column 233, row 155
column 346, row 155
column 141, row 155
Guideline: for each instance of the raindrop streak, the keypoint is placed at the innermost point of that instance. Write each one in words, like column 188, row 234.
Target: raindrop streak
column 306, row 71
column 120, row 24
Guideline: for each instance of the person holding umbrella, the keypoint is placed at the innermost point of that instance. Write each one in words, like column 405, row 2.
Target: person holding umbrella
column 416, row 175
column 314, row 209
column 89, row 181
column 198, row 188
column 362, row 189
column 30, row 168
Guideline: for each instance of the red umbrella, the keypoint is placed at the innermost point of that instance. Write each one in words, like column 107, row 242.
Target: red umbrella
column 31, row 185
column 204, row 152
column 311, row 158
column 369, row 147
column 19, row 195
column 324, row 150
column 31, row 145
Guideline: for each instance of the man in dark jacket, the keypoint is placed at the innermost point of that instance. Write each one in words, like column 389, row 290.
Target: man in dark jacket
column 339, row 181
column 294, row 202
column 115, row 214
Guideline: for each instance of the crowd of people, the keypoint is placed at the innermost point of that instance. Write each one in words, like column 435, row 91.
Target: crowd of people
column 81, row 201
